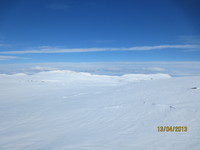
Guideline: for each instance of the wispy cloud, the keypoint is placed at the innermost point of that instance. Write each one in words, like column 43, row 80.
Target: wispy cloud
column 154, row 69
column 8, row 57
column 45, row 49
column 194, row 39
column 4, row 45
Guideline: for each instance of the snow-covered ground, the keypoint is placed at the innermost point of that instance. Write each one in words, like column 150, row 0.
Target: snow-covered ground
column 66, row 110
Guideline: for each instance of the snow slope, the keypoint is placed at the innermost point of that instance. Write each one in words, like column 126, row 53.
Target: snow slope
column 66, row 110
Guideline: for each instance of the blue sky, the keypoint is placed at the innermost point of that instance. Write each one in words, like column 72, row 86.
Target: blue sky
column 36, row 31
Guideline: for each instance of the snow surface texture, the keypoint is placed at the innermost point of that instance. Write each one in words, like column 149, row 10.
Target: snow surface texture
column 66, row 110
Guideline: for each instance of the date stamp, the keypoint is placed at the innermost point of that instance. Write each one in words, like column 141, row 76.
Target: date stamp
column 172, row 129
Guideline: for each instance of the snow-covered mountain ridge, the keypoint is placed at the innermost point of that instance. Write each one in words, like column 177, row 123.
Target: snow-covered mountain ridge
column 68, row 76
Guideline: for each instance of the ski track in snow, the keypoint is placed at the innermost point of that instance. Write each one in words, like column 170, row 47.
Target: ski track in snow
column 59, row 110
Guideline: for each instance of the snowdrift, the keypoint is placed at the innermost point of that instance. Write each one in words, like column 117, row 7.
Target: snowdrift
column 59, row 110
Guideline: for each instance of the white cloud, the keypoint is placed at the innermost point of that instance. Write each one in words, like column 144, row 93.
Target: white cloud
column 38, row 68
column 10, row 57
column 7, row 57
column 155, row 69
column 47, row 49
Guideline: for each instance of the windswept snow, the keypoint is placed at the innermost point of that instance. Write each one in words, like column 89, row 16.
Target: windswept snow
column 61, row 110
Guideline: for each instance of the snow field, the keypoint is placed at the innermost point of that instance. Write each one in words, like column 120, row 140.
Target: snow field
column 59, row 110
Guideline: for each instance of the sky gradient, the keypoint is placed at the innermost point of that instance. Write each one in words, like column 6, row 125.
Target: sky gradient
column 37, row 31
